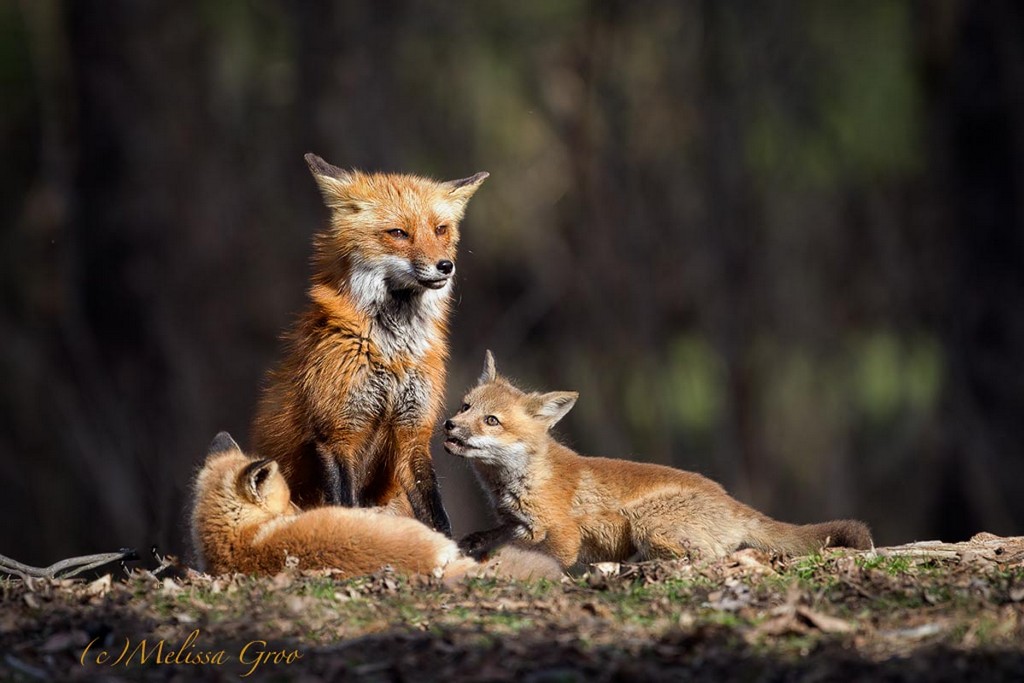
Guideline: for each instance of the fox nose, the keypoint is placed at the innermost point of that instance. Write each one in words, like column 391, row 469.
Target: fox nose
column 445, row 267
column 449, row 425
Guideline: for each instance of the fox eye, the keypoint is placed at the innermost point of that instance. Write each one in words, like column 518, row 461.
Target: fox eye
column 492, row 421
column 441, row 230
column 398, row 233
column 464, row 408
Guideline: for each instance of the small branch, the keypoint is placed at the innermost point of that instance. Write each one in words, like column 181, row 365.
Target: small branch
column 65, row 569
column 907, row 551
column 166, row 562
column 987, row 547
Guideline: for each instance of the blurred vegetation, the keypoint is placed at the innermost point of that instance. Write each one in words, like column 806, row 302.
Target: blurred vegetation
column 778, row 244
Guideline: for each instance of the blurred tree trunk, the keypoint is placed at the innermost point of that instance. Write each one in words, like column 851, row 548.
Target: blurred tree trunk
column 732, row 228
column 979, row 97
column 135, row 67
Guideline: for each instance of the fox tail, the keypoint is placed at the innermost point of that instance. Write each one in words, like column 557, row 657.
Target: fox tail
column 804, row 539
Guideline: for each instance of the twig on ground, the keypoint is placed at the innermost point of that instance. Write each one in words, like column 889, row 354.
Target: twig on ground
column 65, row 569
column 907, row 551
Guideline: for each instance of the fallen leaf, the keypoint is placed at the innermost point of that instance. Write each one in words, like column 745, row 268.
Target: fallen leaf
column 290, row 561
column 783, row 624
column 100, row 586
column 607, row 568
column 916, row 632
column 750, row 558
column 824, row 622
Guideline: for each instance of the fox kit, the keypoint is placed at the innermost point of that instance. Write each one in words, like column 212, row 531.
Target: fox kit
column 581, row 509
column 243, row 520
column 349, row 413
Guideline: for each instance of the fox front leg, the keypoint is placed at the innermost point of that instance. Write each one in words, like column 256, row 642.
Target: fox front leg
column 338, row 488
column 425, row 495
column 417, row 478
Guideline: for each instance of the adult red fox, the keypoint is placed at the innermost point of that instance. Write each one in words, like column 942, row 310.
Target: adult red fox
column 582, row 509
column 349, row 413
column 243, row 520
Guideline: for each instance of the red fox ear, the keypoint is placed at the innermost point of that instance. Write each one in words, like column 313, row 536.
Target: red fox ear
column 222, row 442
column 333, row 183
column 464, row 188
column 551, row 407
column 490, row 373
column 255, row 478
column 319, row 167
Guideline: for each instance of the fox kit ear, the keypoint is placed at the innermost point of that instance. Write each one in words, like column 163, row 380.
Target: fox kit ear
column 319, row 167
column 551, row 407
column 464, row 188
column 333, row 183
column 222, row 442
column 490, row 373
column 255, row 478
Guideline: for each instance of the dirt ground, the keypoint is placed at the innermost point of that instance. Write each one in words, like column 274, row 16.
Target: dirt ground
column 937, row 612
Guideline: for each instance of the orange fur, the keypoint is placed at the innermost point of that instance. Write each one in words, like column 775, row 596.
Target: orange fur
column 584, row 509
column 349, row 413
column 243, row 521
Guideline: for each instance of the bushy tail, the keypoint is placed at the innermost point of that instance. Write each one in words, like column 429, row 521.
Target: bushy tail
column 796, row 539
column 509, row 563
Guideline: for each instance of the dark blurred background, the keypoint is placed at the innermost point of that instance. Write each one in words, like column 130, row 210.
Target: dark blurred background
column 780, row 244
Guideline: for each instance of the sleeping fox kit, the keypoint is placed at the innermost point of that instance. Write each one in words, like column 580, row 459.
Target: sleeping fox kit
column 243, row 520
column 588, row 509
column 349, row 413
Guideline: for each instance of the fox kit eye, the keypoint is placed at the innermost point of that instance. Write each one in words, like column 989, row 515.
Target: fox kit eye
column 492, row 421
column 464, row 408
column 441, row 230
column 398, row 233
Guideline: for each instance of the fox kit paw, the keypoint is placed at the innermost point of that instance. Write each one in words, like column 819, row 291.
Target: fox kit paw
column 475, row 545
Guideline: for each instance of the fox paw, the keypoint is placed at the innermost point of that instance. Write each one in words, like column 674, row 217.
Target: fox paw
column 475, row 545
